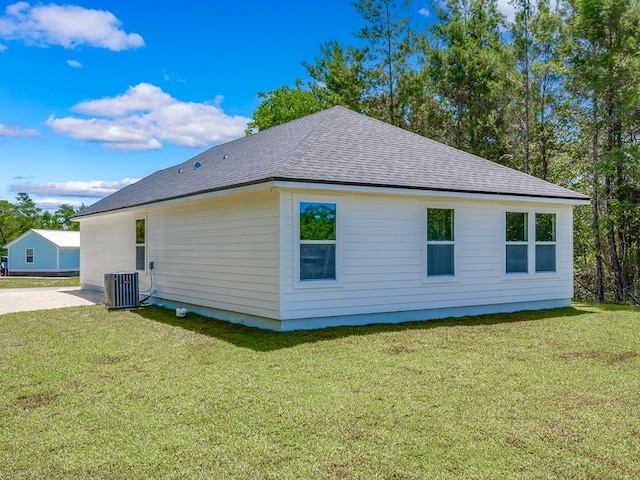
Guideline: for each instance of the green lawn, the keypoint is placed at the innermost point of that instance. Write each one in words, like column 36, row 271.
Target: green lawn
column 29, row 282
column 86, row 393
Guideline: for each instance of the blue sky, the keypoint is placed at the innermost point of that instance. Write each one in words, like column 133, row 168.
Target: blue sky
column 96, row 94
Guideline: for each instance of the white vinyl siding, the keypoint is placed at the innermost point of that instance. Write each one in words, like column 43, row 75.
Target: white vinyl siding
column 383, row 258
column 237, row 252
column 107, row 246
column 220, row 253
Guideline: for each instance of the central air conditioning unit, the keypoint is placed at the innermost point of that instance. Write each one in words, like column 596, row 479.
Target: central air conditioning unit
column 121, row 290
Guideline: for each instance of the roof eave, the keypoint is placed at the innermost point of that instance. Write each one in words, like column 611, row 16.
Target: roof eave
column 576, row 199
column 579, row 199
column 79, row 216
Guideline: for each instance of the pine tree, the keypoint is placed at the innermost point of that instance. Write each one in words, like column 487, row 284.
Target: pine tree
column 539, row 92
column 390, row 45
column 339, row 76
column 602, row 59
column 467, row 64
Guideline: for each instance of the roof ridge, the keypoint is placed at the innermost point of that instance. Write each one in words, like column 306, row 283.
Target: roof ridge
column 308, row 141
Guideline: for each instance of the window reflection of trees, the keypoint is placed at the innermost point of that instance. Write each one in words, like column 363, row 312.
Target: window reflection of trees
column 318, row 241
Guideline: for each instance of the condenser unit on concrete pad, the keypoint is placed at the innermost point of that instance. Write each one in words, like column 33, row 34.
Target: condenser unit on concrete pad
column 121, row 290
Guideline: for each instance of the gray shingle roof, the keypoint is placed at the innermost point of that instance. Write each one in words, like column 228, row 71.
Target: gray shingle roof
column 335, row 146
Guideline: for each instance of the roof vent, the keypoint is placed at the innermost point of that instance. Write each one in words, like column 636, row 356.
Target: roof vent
column 196, row 165
column 224, row 157
column 180, row 170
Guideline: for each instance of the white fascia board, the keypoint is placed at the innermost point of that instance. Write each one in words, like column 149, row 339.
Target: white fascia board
column 425, row 193
column 329, row 187
column 174, row 201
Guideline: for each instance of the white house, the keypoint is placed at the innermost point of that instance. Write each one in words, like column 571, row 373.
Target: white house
column 44, row 252
column 336, row 219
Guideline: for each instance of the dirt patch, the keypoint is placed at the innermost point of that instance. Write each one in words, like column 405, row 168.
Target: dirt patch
column 339, row 470
column 400, row 476
column 399, row 350
column 557, row 431
column 608, row 357
column 414, row 370
column 107, row 360
column 352, row 432
column 29, row 402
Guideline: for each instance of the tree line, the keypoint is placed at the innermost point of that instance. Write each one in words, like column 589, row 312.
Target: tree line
column 16, row 218
column 553, row 92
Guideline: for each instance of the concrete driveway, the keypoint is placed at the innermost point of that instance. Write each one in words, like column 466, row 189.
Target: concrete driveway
column 28, row 299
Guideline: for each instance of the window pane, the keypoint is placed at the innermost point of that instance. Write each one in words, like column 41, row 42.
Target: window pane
column 317, row 262
column 439, row 225
column 516, row 227
column 140, row 233
column 545, row 227
column 29, row 255
column 317, row 221
column 440, row 260
column 517, row 259
column 140, row 253
column 545, row 258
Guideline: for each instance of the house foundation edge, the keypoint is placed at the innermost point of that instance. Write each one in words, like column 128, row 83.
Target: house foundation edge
column 314, row 323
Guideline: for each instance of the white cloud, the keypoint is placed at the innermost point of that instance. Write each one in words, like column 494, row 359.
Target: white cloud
column 145, row 116
column 15, row 131
column 2, row 47
column 505, row 7
column 74, row 63
column 142, row 97
column 52, row 204
column 119, row 134
column 424, row 11
column 65, row 25
column 94, row 188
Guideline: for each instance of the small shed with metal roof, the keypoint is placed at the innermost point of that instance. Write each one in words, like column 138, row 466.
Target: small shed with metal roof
column 39, row 252
column 333, row 219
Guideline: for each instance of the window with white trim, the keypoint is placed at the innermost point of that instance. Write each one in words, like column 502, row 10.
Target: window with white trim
column 440, row 242
column 317, row 240
column 141, row 234
column 545, row 242
column 29, row 255
column 517, row 239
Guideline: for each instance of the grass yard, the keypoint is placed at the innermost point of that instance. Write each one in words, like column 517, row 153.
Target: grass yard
column 87, row 393
column 36, row 282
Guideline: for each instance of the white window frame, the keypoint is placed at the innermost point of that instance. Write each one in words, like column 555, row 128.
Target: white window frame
column 33, row 255
column 319, row 283
column 526, row 243
column 426, row 278
column 554, row 243
column 531, row 243
column 135, row 233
